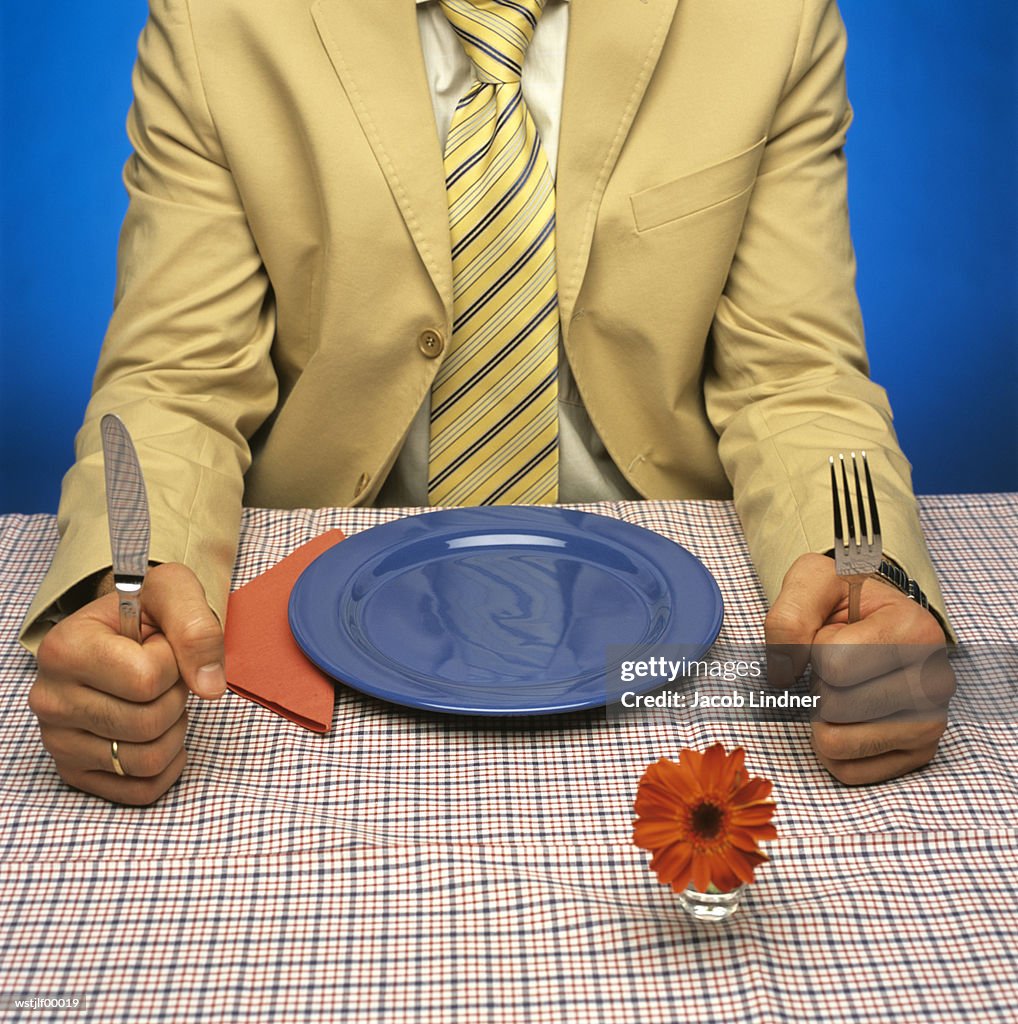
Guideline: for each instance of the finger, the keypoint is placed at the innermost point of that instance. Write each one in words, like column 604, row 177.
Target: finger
column 915, row 689
column 81, row 751
column 64, row 705
column 86, row 649
column 125, row 789
column 175, row 600
column 861, row 741
column 848, row 664
column 896, row 632
column 810, row 594
column 868, row 770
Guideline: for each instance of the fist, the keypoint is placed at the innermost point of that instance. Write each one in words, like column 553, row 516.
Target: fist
column 94, row 687
column 884, row 681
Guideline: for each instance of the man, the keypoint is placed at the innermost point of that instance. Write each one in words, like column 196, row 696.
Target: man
column 290, row 300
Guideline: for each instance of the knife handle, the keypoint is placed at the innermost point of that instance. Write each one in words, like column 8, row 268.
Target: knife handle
column 130, row 610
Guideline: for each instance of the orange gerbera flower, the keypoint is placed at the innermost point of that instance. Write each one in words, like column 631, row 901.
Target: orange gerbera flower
column 703, row 818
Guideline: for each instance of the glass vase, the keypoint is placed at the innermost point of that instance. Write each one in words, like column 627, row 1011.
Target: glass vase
column 711, row 905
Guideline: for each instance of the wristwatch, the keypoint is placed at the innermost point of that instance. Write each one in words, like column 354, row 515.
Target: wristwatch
column 897, row 577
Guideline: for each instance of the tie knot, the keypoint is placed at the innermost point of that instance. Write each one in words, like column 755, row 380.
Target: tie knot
column 495, row 34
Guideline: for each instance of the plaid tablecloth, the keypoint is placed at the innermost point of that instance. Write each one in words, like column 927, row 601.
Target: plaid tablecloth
column 424, row 868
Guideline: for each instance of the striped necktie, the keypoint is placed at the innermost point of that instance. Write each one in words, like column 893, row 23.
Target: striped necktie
column 494, row 410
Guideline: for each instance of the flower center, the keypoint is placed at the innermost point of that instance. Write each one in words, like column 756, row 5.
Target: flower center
column 706, row 820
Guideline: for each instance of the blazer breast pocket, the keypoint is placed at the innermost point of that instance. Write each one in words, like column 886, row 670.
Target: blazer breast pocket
column 700, row 190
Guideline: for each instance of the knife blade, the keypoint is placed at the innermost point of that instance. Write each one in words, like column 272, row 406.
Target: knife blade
column 127, row 511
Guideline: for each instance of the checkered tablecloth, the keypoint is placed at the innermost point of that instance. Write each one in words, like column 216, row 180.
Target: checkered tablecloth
column 422, row 868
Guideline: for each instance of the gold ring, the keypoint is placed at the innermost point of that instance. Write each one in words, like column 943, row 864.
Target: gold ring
column 115, row 755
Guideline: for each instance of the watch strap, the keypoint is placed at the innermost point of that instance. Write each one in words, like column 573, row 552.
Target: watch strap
column 898, row 578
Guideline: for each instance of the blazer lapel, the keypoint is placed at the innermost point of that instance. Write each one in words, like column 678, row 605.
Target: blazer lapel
column 375, row 49
column 613, row 48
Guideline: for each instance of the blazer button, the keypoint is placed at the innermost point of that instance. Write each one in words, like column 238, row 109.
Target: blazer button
column 362, row 481
column 431, row 343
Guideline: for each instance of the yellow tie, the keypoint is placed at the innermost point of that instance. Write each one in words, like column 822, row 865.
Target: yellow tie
column 494, row 411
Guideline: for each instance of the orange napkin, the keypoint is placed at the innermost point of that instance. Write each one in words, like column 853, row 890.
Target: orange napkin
column 263, row 661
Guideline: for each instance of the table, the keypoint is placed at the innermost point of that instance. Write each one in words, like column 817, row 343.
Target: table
column 414, row 867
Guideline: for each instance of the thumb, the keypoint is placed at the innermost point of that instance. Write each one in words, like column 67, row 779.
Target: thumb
column 174, row 599
column 810, row 594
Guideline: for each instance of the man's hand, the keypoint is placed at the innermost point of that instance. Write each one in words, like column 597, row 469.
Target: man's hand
column 884, row 681
column 95, row 686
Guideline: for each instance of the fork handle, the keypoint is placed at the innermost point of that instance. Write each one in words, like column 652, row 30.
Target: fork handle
column 890, row 574
column 854, row 590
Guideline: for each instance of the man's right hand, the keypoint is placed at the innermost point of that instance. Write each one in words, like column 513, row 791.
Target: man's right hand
column 95, row 686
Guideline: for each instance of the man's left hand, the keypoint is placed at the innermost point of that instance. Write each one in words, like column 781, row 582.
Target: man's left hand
column 884, row 682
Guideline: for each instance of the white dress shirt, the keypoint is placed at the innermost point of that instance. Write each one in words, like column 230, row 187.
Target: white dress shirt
column 586, row 471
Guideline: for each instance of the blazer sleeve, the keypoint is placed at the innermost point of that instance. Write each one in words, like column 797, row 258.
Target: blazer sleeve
column 186, row 360
column 788, row 382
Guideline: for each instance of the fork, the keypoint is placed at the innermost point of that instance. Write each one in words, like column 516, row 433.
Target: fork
column 857, row 552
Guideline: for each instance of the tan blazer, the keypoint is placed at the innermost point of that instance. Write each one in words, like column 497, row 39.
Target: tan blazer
column 286, row 254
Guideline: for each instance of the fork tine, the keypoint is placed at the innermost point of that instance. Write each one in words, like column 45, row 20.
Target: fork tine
column 860, row 505
column 852, row 537
column 857, row 555
column 874, row 517
column 838, row 535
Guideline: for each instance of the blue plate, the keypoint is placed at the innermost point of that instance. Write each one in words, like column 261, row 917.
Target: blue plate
column 509, row 610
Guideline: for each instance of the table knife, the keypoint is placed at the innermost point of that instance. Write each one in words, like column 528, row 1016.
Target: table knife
column 127, row 511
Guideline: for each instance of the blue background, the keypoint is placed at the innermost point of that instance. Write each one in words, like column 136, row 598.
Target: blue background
column 933, row 157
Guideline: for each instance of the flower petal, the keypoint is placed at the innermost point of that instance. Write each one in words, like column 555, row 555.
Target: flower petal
column 743, row 863
column 753, row 814
column 654, row 802
column 714, row 761
column 733, row 773
column 684, row 778
column 724, row 878
column 701, row 870
column 670, row 781
column 750, row 839
column 753, row 791
column 672, row 864
column 654, row 833
column 693, row 760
